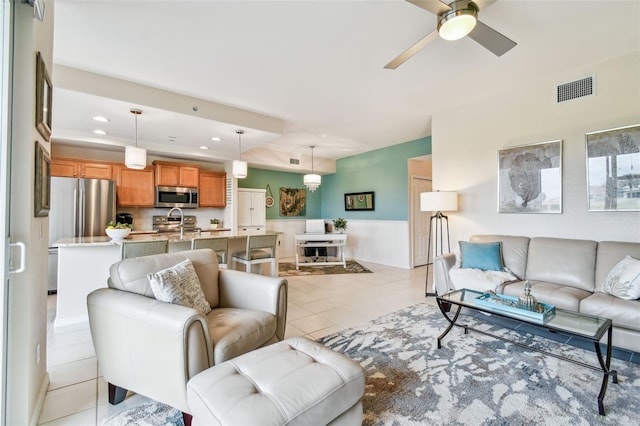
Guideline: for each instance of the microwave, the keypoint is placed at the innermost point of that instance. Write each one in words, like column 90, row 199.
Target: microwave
column 175, row 196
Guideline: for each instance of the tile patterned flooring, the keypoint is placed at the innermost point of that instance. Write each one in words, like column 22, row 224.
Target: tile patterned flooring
column 318, row 305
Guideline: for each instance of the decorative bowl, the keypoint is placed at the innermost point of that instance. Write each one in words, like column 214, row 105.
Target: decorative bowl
column 118, row 234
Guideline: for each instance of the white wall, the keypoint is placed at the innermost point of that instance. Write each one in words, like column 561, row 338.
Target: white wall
column 27, row 380
column 466, row 141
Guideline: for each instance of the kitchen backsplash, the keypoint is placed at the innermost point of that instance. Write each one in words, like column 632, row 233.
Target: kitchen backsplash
column 143, row 217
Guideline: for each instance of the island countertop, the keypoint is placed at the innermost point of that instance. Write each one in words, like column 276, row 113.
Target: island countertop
column 172, row 237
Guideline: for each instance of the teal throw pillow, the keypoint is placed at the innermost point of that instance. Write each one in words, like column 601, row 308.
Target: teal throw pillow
column 483, row 256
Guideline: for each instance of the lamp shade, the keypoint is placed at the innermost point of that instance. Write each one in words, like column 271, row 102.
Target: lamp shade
column 135, row 158
column 239, row 169
column 312, row 181
column 439, row 201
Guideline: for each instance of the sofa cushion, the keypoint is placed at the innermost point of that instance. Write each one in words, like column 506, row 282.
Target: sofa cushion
column 514, row 251
column 609, row 254
column 237, row 331
column 623, row 280
column 561, row 296
column 179, row 284
column 562, row 261
column 131, row 274
column 623, row 313
column 483, row 256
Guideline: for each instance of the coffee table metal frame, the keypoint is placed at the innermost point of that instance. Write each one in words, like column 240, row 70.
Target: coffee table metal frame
column 573, row 323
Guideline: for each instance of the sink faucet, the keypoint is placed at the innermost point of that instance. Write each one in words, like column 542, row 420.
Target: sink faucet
column 181, row 220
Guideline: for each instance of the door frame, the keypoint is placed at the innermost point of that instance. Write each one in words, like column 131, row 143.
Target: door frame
column 414, row 202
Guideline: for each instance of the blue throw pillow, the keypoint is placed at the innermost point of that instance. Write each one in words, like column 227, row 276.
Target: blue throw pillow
column 483, row 256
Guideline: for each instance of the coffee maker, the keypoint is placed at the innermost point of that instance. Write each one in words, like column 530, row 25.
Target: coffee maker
column 126, row 218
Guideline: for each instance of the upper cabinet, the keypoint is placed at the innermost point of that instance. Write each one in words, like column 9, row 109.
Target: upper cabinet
column 88, row 169
column 135, row 188
column 213, row 189
column 176, row 174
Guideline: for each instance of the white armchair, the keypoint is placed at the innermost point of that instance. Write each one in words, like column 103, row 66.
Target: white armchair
column 154, row 348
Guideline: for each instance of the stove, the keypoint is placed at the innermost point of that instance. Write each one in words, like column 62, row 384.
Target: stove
column 172, row 223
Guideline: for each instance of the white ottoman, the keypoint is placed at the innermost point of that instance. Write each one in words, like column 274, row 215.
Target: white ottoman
column 294, row 382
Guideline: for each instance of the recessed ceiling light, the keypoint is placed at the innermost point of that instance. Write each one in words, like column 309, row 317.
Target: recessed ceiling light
column 99, row 132
column 216, row 139
column 204, row 147
column 101, row 119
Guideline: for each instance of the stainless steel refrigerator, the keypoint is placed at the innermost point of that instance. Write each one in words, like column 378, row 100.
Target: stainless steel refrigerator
column 79, row 208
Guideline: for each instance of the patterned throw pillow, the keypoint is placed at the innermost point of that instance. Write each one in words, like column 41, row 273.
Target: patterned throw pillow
column 623, row 280
column 180, row 285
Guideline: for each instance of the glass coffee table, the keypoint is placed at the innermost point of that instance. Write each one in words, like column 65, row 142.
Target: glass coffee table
column 572, row 323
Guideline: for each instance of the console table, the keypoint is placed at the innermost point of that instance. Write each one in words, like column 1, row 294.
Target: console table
column 322, row 240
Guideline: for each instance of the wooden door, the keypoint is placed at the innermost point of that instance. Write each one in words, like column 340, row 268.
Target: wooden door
column 135, row 188
column 64, row 168
column 189, row 176
column 91, row 170
column 213, row 189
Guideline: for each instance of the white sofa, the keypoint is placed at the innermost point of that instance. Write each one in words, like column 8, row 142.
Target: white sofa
column 564, row 272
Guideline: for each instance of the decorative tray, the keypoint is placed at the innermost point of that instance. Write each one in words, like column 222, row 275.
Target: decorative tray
column 499, row 302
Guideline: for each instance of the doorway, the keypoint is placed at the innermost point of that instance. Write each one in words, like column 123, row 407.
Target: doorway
column 419, row 221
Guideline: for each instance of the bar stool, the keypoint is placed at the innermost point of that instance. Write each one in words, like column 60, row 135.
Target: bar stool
column 130, row 249
column 260, row 249
column 218, row 244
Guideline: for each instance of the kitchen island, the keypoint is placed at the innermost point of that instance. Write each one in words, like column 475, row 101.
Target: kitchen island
column 84, row 262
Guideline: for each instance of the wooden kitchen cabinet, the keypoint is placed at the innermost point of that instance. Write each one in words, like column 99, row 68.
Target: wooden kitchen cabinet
column 176, row 174
column 213, row 189
column 135, row 188
column 88, row 169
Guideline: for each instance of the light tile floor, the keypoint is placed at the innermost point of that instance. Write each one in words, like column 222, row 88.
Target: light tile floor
column 318, row 305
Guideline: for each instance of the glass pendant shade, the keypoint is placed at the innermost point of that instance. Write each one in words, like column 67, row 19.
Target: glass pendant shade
column 312, row 181
column 135, row 158
column 239, row 169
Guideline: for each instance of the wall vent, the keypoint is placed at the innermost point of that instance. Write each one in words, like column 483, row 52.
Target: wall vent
column 295, row 161
column 575, row 89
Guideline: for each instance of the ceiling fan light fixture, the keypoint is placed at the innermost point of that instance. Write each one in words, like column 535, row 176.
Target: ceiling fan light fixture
column 459, row 21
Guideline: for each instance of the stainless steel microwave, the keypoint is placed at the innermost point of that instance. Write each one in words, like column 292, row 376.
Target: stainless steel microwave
column 175, row 196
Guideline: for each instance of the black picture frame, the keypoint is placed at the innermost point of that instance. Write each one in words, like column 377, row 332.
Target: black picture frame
column 359, row 201
column 42, row 182
column 44, row 98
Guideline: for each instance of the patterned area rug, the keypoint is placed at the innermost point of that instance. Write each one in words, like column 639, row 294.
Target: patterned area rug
column 473, row 380
column 288, row 269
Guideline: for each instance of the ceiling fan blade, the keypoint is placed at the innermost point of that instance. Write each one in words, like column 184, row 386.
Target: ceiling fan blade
column 434, row 6
column 491, row 39
column 404, row 56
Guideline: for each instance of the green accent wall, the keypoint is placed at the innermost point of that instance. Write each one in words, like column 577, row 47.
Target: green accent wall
column 383, row 171
column 258, row 178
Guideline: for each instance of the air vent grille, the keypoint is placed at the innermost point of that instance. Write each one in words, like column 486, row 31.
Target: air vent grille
column 574, row 89
column 295, row 161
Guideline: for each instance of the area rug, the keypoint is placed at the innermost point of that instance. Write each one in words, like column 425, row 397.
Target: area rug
column 288, row 269
column 475, row 379
column 148, row 414
column 472, row 380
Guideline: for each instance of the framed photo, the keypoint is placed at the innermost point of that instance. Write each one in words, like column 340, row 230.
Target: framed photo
column 613, row 169
column 44, row 97
column 530, row 178
column 359, row 201
column 42, row 185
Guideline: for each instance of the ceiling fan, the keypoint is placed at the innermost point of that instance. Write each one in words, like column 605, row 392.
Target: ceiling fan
column 456, row 20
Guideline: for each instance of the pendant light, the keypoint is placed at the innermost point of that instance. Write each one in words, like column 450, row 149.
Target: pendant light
column 239, row 169
column 134, row 157
column 312, row 181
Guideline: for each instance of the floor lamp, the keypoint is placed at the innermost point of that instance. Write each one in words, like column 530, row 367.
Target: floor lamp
column 437, row 202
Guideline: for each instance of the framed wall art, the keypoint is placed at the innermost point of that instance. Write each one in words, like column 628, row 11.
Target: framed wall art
column 42, row 183
column 293, row 202
column 613, row 169
column 530, row 178
column 359, row 201
column 44, row 97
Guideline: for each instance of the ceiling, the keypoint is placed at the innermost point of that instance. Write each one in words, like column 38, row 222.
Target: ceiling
column 298, row 73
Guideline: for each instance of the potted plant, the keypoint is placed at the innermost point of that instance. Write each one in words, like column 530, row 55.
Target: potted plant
column 340, row 224
column 214, row 223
